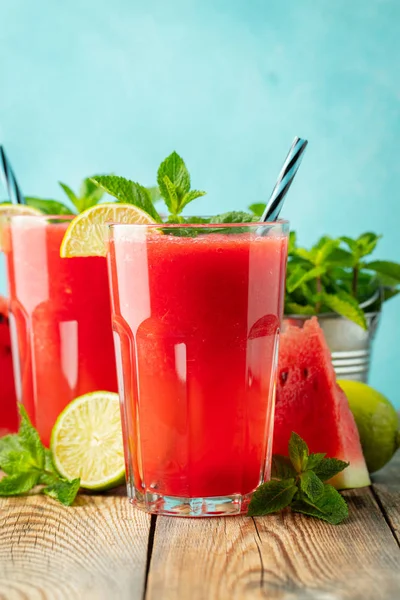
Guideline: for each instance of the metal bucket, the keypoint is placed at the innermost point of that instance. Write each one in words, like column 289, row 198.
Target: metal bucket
column 349, row 344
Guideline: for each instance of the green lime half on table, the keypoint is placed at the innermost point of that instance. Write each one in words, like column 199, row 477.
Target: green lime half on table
column 377, row 422
column 86, row 441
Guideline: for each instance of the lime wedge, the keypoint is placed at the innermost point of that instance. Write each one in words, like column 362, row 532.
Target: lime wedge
column 86, row 441
column 11, row 210
column 86, row 234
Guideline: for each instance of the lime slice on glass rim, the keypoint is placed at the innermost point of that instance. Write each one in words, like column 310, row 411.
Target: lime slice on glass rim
column 86, row 235
column 11, row 210
column 86, row 441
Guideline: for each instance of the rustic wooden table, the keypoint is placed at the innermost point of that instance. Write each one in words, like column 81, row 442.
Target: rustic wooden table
column 102, row 548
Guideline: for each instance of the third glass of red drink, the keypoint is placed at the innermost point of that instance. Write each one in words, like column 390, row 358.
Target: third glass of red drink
column 196, row 314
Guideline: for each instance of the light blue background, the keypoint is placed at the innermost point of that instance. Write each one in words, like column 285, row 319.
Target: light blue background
column 92, row 86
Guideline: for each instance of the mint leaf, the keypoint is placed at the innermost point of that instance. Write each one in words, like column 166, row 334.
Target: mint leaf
column 17, row 461
column 71, row 195
column 385, row 267
column 271, row 497
column 125, row 190
column 234, row 216
column 49, row 474
column 345, row 305
column 64, row 491
column 19, row 483
column 292, row 242
column 306, row 255
column 366, row 243
column 154, row 193
column 352, row 244
column 90, row 194
column 282, row 467
column 298, row 452
column 175, row 169
column 292, row 308
column 311, row 485
column 330, row 506
column 340, row 258
column 257, row 208
column 190, row 196
column 171, row 197
column 300, row 275
column 325, row 250
column 30, row 440
column 329, row 467
column 47, row 206
column 314, row 460
column 8, row 445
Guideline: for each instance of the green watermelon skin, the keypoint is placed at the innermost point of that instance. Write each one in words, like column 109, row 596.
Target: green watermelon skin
column 309, row 402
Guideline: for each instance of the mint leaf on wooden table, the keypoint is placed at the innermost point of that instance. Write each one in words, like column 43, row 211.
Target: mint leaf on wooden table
column 272, row 496
column 64, row 491
column 30, row 440
column 330, row 506
column 125, row 190
column 27, row 464
column 19, row 483
column 298, row 482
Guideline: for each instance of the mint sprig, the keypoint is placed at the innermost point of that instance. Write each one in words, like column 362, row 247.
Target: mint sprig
column 27, row 464
column 335, row 275
column 298, row 481
column 174, row 184
column 174, row 187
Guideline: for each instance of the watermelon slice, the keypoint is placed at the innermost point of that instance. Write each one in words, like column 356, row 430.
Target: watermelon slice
column 309, row 402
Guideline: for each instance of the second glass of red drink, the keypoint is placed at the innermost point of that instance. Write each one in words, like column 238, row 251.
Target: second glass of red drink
column 60, row 319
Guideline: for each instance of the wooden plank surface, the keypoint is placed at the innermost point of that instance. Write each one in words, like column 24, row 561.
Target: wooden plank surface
column 386, row 486
column 98, row 550
column 93, row 551
column 284, row 557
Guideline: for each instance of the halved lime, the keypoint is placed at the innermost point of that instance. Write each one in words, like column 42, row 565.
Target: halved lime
column 11, row 210
column 86, row 441
column 86, row 234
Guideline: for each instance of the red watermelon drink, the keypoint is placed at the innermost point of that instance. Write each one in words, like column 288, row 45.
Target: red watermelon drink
column 8, row 401
column 60, row 319
column 196, row 315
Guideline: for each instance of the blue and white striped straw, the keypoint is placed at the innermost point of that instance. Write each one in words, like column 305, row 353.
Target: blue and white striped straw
column 286, row 176
column 9, row 179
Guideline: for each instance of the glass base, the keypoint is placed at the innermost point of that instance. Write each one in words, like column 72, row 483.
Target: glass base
column 219, row 506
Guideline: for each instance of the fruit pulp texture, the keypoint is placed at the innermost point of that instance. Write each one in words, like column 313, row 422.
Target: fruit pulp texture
column 197, row 323
column 8, row 400
column 61, row 323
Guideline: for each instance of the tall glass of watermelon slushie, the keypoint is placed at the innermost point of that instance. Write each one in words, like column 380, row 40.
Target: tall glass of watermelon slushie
column 196, row 315
column 60, row 320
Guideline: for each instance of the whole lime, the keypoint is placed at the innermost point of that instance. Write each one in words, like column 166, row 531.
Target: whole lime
column 377, row 422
